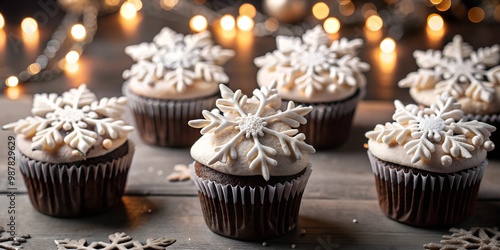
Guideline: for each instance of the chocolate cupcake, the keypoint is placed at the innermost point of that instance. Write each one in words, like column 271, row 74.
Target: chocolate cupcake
column 251, row 165
column 319, row 72
column 174, row 79
column 428, row 163
column 74, row 152
column 472, row 77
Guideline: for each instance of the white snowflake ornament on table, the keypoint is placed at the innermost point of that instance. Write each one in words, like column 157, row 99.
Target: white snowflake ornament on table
column 118, row 241
column 314, row 63
column 254, row 126
column 76, row 118
column 420, row 131
column 457, row 71
column 178, row 61
column 482, row 238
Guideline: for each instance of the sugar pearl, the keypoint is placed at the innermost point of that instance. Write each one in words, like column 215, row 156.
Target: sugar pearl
column 107, row 144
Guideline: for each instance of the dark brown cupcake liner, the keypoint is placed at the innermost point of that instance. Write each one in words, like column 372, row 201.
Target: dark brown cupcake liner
column 63, row 190
column 424, row 199
column 329, row 124
column 165, row 122
column 251, row 213
column 494, row 120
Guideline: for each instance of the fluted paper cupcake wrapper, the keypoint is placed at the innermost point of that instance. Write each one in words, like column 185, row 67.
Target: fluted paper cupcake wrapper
column 494, row 120
column 328, row 124
column 426, row 200
column 165, row 122
column 72, row 191
column 247, row 213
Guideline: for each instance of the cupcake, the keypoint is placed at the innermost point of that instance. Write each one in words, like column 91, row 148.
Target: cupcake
column 251, row 164
column 428, row 163
column 472, row 77
column 74, row 152
column 318, row 72
column 173, row 80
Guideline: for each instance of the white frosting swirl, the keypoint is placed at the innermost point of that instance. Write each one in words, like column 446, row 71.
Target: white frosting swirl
column 435, row 139
column 252, row 137
column 177, row 67
column 313, row 69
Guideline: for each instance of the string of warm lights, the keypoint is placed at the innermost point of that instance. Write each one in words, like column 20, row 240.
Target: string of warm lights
column 389, row 19
column 52, row 61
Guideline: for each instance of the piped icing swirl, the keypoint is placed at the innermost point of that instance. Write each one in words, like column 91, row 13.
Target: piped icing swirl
column 473, row 77
column 175, row 66
column 314, row 68
column 435, row 139
column 74, row 123
column 252, row 136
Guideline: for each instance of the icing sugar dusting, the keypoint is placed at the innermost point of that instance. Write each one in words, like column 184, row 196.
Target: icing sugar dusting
column 420, row 131
column 252, row 126
column 76, row 118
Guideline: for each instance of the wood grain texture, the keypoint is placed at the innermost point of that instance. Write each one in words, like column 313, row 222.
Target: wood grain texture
column 328, row 225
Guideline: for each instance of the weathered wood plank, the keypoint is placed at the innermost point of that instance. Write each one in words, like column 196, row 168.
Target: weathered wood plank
column 328, row 225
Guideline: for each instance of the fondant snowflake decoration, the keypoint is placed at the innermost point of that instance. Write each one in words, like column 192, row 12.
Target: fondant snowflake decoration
column 118, row 241
column 481, row 238
column 253, row 126
column 457, row 71
column 421, row 130
column 315, row 62
column 75, row 118
column 178, row 61
column 8, row 242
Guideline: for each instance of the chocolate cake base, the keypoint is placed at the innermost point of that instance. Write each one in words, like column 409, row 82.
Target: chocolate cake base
column 328, row 124
column 425, row 199
column 165, row 122
column 246, row 208
column 79, row 188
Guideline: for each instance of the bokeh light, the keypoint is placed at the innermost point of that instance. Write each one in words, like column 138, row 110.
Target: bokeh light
column 388, row 45
column 331, row 25
column 128, row 10
column 320, row 10
column 245, row 23
column 247, row 10
column 476, row 14
column 374, row 23
column 198, row 23
column 227, row 22
column 72, row 57
column 29, row 25
column 11, row 81
column 435, row 22
column 2, row 21
column 78, row 32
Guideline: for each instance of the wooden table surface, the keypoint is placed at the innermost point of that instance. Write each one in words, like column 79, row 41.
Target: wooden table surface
column 340, row 189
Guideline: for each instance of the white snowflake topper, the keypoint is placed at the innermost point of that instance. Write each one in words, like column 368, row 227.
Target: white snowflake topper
column 457, row 71
column 177, row 60
column 75, row 118
column 254, row 126
column 315, row 62
column 421, row 130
